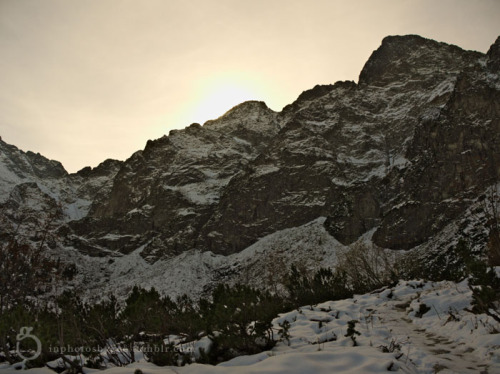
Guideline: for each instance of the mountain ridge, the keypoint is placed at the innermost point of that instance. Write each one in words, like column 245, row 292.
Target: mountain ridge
column 395, row 160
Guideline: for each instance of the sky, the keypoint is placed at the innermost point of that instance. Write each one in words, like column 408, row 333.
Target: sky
column 83, row 81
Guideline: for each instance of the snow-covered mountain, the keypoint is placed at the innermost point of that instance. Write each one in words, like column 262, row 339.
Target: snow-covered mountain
column 406, row 159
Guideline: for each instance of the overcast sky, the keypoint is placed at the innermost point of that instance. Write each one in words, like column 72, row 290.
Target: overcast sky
column 86, row 80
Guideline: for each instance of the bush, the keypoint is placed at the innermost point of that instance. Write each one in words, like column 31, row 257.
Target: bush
column 422, row 309
column 162, row 354
column 367, row 268
column 483, row 281
column 325, row 284
column 238, row 321
column 352, row 332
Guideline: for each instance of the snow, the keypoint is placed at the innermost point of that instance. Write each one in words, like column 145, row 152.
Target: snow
column 203, row 193
column 328, row 361
column 203, row 344
column 73, row 193
column 446, row 300
column 318, row 123
column 8, row 179
column 76, row 210
column 266, row 169
column 185, row 212
column 445, row 87
column 241, row 141
column 113, row 237
column 391, row 337
column 341, row 182
column 426, row 343
column 194, row 271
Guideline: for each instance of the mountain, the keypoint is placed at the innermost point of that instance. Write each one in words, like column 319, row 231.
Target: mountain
column 406, row 159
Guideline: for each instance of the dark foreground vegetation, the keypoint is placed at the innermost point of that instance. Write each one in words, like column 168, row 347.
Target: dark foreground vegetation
column 235, row 320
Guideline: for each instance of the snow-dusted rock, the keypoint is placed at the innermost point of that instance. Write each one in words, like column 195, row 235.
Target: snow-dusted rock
column 403, row 157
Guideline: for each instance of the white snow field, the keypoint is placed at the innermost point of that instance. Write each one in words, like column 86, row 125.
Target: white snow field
column 389, row 333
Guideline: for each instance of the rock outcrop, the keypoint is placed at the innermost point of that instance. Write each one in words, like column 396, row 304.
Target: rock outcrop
column 399, row 156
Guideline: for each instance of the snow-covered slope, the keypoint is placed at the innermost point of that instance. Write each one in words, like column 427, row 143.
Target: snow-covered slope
column 195, row 272
column 389, row 333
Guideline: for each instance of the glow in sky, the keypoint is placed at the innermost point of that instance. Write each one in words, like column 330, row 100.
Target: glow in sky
column 218, row 92
column 82, row 81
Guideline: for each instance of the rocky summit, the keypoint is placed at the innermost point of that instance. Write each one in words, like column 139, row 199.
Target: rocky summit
column 408, row 159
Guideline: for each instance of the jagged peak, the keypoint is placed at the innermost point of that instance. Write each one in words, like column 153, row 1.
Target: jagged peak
column 404, row 54
column 104, row 168
column 253, row 116
column 493, row 54
column 34, row 163
column 408, row 39
column 318, row 91
column 241, row 109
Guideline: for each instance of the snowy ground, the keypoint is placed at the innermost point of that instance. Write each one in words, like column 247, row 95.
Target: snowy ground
column 392, row 337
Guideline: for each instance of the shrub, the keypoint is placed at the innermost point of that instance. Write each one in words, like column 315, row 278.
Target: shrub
column 422, row 309
column 325, row 284
column 352, row 332
column 367, row 268
column 238, row 321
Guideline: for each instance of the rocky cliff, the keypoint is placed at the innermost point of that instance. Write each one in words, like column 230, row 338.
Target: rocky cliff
column 400, row 158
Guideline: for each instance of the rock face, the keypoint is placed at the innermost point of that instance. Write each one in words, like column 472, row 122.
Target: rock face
column 361, row 154
column 401, row 155
column 36, row 192
column 493, row 54
column 164, row 195
column 455, row 157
